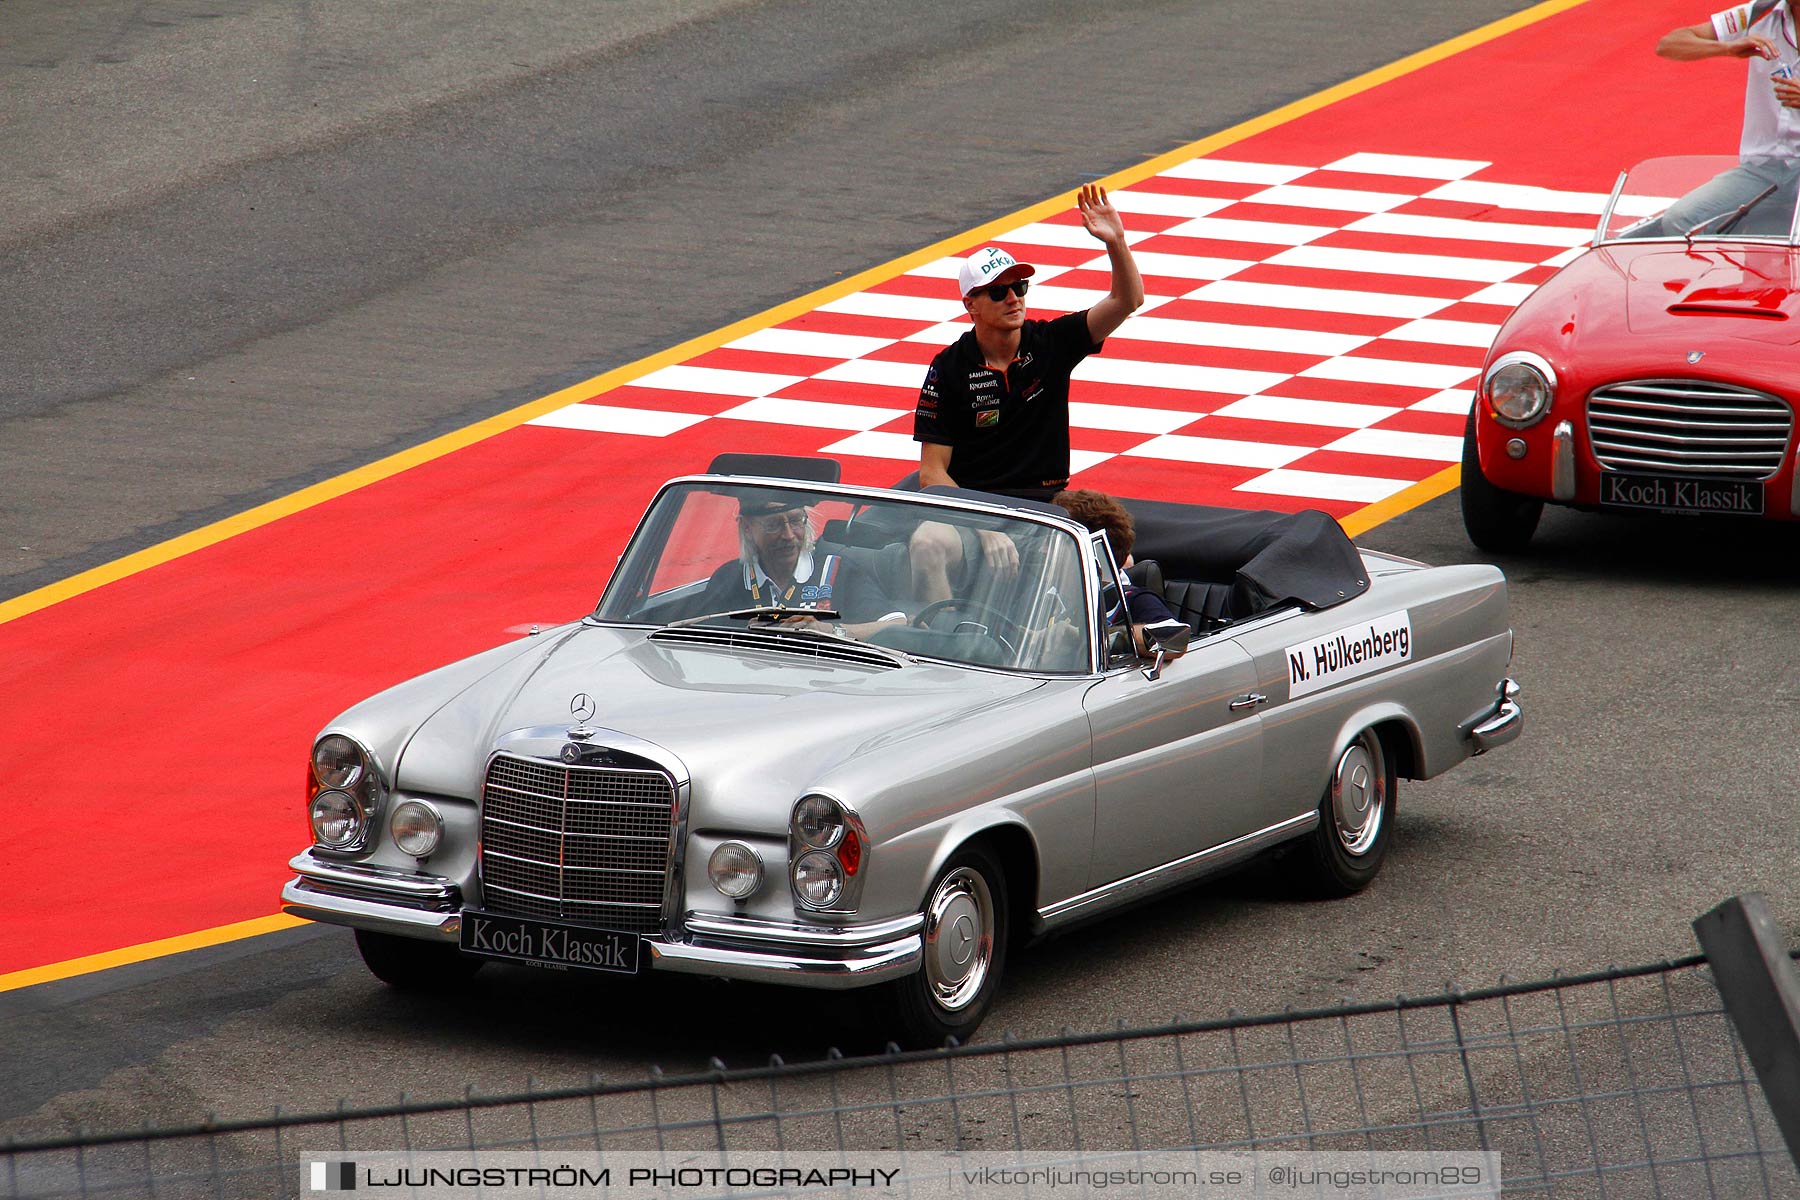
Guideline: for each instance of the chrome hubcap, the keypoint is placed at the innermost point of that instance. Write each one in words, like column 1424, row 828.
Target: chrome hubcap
column 1359, row 789
column 959, row 939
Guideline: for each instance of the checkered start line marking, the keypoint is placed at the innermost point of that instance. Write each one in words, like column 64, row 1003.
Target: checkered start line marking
column 1310, row 337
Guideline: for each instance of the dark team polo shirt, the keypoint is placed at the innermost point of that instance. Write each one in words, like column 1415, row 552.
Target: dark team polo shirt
column 1008, row 431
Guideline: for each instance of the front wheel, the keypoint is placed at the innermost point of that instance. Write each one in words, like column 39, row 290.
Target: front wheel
column 414, row 965
column 966, row 927
column 1356, row 820
column 1497, row 520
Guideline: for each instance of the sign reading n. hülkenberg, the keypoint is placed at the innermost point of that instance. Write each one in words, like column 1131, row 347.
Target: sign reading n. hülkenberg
column 1349, row 652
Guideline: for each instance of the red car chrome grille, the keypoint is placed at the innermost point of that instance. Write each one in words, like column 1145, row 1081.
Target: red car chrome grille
column 1688, row 426
column 588, row 845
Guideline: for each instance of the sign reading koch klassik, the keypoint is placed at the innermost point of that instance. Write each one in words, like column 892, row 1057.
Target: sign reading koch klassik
column 548, row 943
column 1350, row 652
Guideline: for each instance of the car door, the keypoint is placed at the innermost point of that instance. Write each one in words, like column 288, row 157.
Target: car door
column 1177, row 759
column 1292, row 650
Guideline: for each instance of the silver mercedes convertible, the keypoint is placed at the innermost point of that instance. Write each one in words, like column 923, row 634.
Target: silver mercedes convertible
column 855, row 737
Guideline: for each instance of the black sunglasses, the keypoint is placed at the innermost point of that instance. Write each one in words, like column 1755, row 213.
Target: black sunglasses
column 997, row 291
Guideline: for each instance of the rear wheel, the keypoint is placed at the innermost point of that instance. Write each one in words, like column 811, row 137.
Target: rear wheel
column 966, row 928
column 1497, row 520
column 413, row 965
column 1356, row 820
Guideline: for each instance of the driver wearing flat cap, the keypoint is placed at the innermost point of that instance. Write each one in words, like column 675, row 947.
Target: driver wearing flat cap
column 779, row 566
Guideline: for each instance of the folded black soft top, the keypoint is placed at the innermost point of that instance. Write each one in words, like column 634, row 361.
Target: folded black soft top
column 1273, row 557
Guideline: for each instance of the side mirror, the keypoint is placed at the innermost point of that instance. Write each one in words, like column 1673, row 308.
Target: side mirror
column 1171, row 638
column 1166, row 639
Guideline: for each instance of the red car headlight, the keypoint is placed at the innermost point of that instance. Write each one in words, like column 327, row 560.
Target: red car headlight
column 1519, row 388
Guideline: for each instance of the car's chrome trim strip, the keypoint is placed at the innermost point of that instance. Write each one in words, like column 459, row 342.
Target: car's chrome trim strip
column 837, row 937
column 1562, row 462
column 1132, row 887
column 1607, row 209
column 403, row 886
column 868, row 965
column 300, row 898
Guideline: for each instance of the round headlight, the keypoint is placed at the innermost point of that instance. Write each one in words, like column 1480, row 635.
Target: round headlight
column 337, row 761
column 818, row 879
column 735, row 870
column 337, row 819
column 1520, row 392
column 417, row 828
column 819, row 821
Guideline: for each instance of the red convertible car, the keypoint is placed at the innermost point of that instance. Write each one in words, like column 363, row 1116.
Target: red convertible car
column 1656, row 371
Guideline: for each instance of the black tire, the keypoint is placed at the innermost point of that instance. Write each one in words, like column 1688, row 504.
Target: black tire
column 947, row 998
column 1498, row 521
column 1345, row 851
column 413, row 965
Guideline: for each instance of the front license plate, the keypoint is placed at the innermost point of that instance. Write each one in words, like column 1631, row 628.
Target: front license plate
column 547, row 944
column 1663, row 493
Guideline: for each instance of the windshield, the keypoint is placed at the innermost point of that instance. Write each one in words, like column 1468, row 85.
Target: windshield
column 962, row 585
column 1706, row 198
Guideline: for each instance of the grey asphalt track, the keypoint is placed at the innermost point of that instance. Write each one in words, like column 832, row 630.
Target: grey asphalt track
column 253, row 249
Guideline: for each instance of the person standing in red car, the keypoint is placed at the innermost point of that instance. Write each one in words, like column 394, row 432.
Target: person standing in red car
column 1764, row 34
column 993, row 413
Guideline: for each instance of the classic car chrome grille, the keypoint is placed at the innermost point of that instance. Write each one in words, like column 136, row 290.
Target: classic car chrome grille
column 783, row 643
column 589, row 845
column 1688, row 426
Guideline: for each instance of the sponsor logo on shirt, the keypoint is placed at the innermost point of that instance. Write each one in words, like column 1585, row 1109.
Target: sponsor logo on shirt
column 1349, row 653
column 987, row 418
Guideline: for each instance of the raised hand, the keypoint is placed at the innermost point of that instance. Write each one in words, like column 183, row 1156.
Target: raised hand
column 1098, row 215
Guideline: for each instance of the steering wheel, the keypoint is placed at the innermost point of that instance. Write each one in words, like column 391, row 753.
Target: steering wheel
column 994, row 618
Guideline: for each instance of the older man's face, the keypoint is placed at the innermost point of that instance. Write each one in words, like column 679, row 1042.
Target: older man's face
column 778, row 538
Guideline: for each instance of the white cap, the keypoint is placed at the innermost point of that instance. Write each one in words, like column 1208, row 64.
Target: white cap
column 987, row 265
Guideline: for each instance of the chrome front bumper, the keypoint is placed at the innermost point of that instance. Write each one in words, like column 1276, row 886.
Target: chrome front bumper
column 723, row 946
column 1502, row 725
column 817, row 956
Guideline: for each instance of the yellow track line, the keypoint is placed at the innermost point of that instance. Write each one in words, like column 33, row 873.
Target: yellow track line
column 1356, row 523
column 146, row 950
column 1405, row 500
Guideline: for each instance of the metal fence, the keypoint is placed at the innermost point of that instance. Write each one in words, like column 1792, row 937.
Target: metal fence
column 1623, row 1083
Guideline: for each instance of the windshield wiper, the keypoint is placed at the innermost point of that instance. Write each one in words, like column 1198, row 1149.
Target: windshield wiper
column 765, row 612
column 1731, row 218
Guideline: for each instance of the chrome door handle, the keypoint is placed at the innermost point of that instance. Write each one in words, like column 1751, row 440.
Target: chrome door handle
column 1249, row 701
